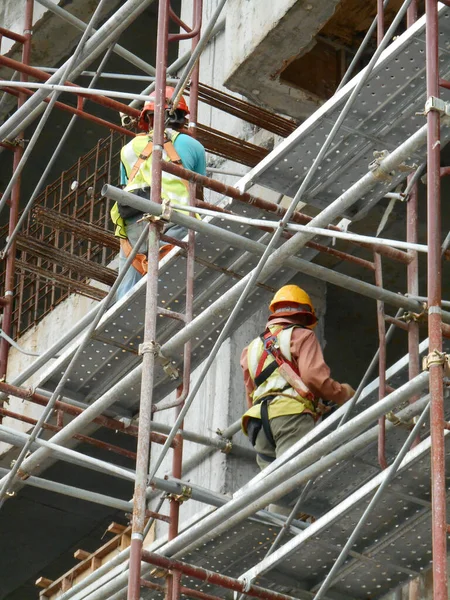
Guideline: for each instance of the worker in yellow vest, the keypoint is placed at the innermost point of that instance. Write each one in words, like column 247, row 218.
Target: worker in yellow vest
column 285, row 375
column 136, row 177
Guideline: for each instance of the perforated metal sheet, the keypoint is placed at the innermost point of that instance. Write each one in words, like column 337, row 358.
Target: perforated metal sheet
column 382, row 117
column 114, row 351
column 395, row 544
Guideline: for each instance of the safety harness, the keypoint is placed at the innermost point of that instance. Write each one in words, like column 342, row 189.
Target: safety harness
column 271, row 347
column 140, row 262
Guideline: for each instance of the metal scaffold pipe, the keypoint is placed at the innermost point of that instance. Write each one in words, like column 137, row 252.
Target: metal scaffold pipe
column 79, row 24
column 6, row 482
column 53, row 158
column 195, row 56
column 257, row 248
column 97, row 44
column 342, row 452
column 75, row 492
column 61, row 77
column 291, row 475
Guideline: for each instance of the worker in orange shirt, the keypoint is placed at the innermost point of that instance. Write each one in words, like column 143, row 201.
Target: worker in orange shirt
column 285, row 375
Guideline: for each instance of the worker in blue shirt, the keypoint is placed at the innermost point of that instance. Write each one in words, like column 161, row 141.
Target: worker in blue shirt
column 135, row 176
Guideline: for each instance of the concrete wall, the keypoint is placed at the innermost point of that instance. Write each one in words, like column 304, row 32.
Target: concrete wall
column 262, row 39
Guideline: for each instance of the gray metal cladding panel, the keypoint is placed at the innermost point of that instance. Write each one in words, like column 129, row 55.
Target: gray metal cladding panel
column 382, row 117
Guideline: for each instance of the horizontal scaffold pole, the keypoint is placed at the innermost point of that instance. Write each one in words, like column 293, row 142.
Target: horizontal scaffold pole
column 319, row 463
column 257, row 248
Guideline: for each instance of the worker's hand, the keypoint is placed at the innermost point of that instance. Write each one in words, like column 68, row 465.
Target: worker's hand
column 349, row 391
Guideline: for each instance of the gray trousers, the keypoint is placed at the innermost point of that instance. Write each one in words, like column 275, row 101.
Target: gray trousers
column 286, row 431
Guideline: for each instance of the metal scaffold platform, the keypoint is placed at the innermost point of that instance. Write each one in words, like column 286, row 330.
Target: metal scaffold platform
column 364, row 516
column 389, row 108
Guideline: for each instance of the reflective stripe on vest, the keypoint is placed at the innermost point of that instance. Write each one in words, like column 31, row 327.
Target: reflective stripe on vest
column 275, row 383
column 172, row 188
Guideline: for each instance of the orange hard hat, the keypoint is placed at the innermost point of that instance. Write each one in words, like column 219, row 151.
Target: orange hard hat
column 291, row 300
column 149, row 107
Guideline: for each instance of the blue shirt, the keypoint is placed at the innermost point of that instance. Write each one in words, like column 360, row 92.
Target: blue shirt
column 190, row 151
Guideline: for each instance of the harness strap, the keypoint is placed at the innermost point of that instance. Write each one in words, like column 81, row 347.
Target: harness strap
column 171, row 152
column 266, row 373
column 143, row 156
column 266, row 423
column 140, row 262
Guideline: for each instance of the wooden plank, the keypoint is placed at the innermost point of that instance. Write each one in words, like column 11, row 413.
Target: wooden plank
column 116, row 528
column 81, row 554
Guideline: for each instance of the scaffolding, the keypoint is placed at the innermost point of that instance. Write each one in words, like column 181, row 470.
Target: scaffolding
column 358, row 147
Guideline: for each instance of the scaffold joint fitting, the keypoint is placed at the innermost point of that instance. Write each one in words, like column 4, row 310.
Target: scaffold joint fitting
column 186, row 494
column 166, row 213
column 159, row 573
column 437, row 358
column 169, row 368
column 392, row 418
column 151, row 346
column 376, row 166
column 228, row 447
column 437, row 105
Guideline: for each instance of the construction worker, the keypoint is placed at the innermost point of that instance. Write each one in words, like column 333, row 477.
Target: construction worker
column 136, row 177
column 285, row 375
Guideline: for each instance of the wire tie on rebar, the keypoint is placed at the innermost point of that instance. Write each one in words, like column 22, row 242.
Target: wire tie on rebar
column 10, row 494
column 437, row 105
column 228, row 447
column 437, row 358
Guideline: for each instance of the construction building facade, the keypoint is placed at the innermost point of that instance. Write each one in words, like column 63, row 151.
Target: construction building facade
column 124, row 473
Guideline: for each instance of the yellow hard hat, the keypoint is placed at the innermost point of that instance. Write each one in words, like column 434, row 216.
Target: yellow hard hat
column 292, row 300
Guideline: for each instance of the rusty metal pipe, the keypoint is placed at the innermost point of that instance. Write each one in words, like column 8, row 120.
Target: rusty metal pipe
column 438, row 485
column 107, row 422
column 148, row 361
column 82, row 438
column 211, row 577
column 75, row 111
column 245, row 197
column 15, row 201
column 12, row 35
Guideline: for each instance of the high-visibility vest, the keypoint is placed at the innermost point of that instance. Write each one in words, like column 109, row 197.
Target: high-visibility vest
column 172, row 187
column 275, row 384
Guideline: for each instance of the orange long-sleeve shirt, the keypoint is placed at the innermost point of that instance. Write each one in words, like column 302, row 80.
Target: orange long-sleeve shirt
column 314, row 371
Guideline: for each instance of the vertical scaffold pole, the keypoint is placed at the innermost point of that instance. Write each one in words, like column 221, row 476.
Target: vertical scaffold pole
column 148, row 348
column 412, row 273
column 439, row 529
column 15, row 200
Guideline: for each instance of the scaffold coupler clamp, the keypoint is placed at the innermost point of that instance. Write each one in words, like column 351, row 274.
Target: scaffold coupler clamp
column 437, row 105
column 159, row 573
column 436, row 357
column 392, row 418
column 376, row 166
column 20, row 472
column 409, row 316
column 186, row 494
column 228, row 447
column 169, row 368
